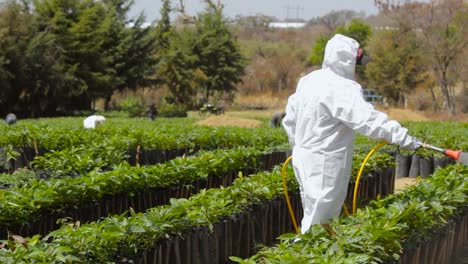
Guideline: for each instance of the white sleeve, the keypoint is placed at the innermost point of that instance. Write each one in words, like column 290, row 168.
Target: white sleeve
column 361, row 116
column 289, row 121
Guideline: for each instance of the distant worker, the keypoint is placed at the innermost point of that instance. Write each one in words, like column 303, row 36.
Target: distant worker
column 94, row 121
column 152, row 112
column 321, row 119
column 276, row 119
column 10, row 119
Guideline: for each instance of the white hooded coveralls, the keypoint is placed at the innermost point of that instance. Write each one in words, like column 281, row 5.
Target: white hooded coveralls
column 93, row 121
column 321, row 119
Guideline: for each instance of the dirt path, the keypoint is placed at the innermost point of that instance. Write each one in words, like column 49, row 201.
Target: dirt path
column 403, row 183
column 226, row 120
column 247, row 118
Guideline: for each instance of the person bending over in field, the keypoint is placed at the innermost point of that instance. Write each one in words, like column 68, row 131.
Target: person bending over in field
column 93, row 121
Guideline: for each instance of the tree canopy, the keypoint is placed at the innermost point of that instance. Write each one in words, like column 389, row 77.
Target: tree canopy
column 397, row 65
column 59, row 56
column 357, row 29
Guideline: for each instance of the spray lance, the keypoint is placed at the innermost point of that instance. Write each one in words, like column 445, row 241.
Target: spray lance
column 458, row 155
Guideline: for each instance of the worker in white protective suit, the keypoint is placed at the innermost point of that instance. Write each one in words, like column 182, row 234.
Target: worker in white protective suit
column 93, row 121
column 321, row 119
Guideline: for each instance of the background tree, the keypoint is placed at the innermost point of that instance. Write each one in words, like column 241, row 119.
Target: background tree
column 444, row 29
column 274, row 67
column 180, row 70
column 177, row 65
column 357, row 29
column 217, row 50
column 336, row 18
column 133, row 59
column 397, row 64
column 130, row 45
column 164, row 28
column 59, row 56
column 16, row 30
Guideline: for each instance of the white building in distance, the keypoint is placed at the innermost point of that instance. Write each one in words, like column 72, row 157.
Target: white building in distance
column 286, row 24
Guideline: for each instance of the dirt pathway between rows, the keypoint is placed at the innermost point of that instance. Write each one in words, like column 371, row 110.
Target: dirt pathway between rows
column 403, row 183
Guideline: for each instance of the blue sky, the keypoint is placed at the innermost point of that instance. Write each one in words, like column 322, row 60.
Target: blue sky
column 281, row 9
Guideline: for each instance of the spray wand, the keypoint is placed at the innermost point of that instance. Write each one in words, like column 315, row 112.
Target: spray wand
column 458, row 155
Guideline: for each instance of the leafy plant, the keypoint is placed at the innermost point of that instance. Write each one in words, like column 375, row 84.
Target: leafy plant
column 132, row 106
column 379, row 232
column 79, row 160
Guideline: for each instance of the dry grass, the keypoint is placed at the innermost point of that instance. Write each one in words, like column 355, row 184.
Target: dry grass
column 268, row 103
column 227, row 120
column 404, row 114
column 261, row 101
column 400, row 114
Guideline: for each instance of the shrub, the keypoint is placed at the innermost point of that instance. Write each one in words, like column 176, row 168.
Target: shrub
column 133, row 106
column 172, row 110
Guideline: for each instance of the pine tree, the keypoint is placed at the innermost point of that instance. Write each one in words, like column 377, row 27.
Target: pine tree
column 177, row 65
column 131, row 47
column 217, row 50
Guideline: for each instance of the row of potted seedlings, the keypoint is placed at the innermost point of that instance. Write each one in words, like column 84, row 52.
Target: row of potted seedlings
column 427, row 223
column 206, row 228
column 142, row 145
column 35, row 207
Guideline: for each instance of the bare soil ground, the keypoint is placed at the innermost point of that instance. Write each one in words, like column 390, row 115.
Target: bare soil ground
column 247, row 118
column 400, row 114
column 403, row 183
column 228, row 120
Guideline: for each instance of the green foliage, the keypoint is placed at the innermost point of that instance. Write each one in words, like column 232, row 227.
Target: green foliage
column 205, row 58
column 133, row 57
column 164, row 28
column 179, row 69
column 17, row 28
column 357, row 29
column 378, row 233
column 128, row 133
column 16, row 179
column 217, row 50
column 397, row 65
column 20, row 205
column 377, row 160
column 58, row 56
column 172, row 110
column 318, row 50
column 79, row 160
column 375, row 234
column 100, row 242
column 10, row 152
column 133, row 106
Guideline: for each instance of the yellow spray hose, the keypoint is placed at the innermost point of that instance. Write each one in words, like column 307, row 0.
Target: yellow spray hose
column 356, row 187
column 286, row 194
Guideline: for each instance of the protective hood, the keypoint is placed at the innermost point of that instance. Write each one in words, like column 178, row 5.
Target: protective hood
column 340, row 56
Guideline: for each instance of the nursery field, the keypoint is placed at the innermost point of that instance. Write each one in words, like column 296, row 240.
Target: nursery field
column 209, row 189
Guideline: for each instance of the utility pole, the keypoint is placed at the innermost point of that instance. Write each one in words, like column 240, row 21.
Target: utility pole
column 290, row 8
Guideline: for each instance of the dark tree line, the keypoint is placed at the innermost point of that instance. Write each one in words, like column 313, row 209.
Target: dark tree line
column 59, row 56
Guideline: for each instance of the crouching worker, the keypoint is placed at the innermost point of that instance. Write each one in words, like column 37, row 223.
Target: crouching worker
column 152, row 112
column 321, row 119
column 276, row 119
column 10, row 119
column 94, row 121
